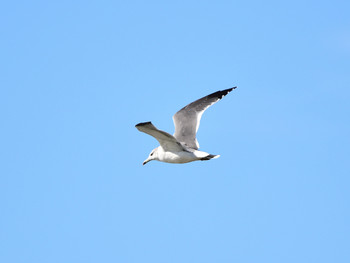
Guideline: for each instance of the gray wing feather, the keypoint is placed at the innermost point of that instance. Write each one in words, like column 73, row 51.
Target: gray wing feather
column 166, row 140
column 187, row 119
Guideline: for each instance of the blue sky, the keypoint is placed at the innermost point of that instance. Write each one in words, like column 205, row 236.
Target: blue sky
column 76, row 76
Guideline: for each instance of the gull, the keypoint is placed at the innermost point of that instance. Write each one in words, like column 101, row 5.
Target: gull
column 182, row 147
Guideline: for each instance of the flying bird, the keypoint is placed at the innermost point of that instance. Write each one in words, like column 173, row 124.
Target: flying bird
column 182, row 147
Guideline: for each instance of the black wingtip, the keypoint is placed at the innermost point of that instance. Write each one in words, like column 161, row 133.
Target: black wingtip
column 221, row 93
column 229, row 90
column 143, row 123
column 209, row 157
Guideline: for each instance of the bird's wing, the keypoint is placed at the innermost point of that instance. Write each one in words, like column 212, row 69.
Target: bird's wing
column 187, row 119
column 166, row 140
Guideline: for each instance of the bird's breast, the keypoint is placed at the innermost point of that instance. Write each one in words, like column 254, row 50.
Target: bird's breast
column 177, row 157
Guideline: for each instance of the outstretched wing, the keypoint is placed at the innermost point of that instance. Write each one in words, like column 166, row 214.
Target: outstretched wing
column 166, row 140
column 188, row 118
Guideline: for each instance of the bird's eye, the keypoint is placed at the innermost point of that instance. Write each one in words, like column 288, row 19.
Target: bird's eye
column 151, row 154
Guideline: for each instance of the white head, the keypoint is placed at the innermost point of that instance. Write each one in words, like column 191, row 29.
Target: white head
column 152, row 156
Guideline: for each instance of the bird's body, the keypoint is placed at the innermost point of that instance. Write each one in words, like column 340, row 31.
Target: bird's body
column 183, row 146
column 185, row 156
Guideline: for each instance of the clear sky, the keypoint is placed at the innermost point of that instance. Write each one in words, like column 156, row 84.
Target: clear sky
column 75, row 78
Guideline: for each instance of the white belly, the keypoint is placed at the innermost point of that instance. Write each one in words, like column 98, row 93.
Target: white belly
column 180, row 157
column 177, row 157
